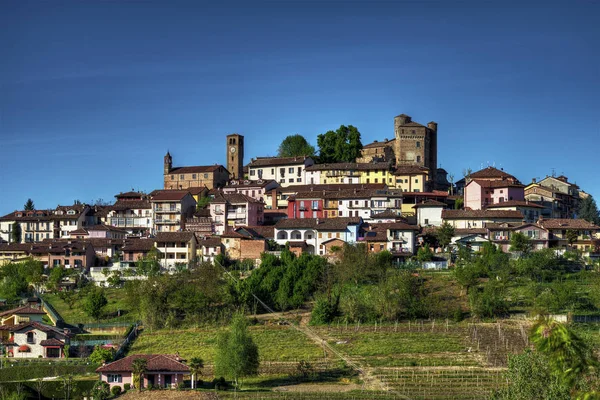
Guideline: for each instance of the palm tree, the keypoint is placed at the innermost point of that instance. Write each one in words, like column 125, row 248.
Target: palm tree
column 196, row 365
column 138, row 368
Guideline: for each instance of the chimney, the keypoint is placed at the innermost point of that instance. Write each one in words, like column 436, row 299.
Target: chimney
column 533, row 180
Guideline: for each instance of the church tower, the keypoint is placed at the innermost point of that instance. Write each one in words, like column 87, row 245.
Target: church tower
column 168, row 163
column 235, row 156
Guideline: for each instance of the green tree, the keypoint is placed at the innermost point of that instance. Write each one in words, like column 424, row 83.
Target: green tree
column 29, row 206
column 203, row 202
column 342, row 145
column 101, row 355
column 196, row 365
column 149, row 265
column 519, row 242
column 424, row 253
column 588, row 210
column 571, row 236
column 444, row 234
column 94, row 303
column 237, row 354
column 459, row 203
column 295, row 146
column 16, row 232
column 138, row 368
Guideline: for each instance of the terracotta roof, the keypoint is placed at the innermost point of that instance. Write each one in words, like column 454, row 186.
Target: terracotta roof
column 429, row 203
column 24, row 247
column 410, row 170
column 138, row 244
column 130, row 195
column 500, row 183
column 170, row 195
column 155, row 362
column 51, row 342
column 195, row 169
column 100, row 243
column 260, row 231
column 334, row 224
column 459, row 214
column 563, row 223
column 378, row 144
column 132, row 205
column 212, row 241
column 375, row 236
column 331, row 187
column 349, row 166
column 493, row 226
column 235, row 183
column 174, row 236
column 348, row 194
column 401, row 226
column 22, row 311
column 233, row 198
column 514, row 203
column 470, row 231
column 298, row 243
column 388, row 213
column 490, row 172
column 106, row 228
column 58, row 246
column 41, row 327
column 274, row 161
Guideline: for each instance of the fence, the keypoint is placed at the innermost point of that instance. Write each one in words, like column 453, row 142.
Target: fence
column 127, row 342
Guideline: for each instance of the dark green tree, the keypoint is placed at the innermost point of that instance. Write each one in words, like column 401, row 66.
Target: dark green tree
column 94, row 302
column 148, row 265
column 138, row 368
column 424, row 253
column 444, row 234
column 295, row 146
column 519, row 242
column 588, row 210
column 342, row 145
column 29, row 206
column 16, row 232
column 101, row 355
column 571, row 236
column 237, row 354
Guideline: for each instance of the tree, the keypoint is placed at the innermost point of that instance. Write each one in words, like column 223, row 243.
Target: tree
column 196, row 365
column 94, row 302
column 571, row 236
column 29, row 206
column 588, row 210
column 459, row 203
column 16, row 232
column 101, row 355
column 444, row 234
column 342, row 145
column 101, row 390
column 424, row 253
column 237, row 354
column 138, row 368
column 520, row 243
column 295, row 146
column 149, row 265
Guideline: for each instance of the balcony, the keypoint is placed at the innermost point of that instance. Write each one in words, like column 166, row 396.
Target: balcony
column 167, row 209
column 167, row 221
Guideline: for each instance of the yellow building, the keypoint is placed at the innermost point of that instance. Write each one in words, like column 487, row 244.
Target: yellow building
column 376, row 173
column 411, row 179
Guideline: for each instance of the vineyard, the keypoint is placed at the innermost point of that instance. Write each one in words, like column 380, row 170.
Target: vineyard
column 416, row 360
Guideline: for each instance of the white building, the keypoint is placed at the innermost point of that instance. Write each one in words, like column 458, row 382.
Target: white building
column 429, row 213
column 284, row 170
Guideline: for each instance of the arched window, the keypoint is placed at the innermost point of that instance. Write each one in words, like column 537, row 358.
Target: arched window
column 296, row 235
column 282, row 235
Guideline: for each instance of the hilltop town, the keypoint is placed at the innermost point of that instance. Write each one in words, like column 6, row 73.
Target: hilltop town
column 375, row 252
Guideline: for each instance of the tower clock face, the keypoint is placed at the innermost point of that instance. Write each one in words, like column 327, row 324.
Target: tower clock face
column 232, row 149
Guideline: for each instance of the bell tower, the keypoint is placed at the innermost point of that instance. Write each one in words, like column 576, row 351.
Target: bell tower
column 235, row 156
column 168, row 163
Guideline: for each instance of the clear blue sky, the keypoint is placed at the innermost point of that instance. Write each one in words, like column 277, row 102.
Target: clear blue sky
column 93, row 93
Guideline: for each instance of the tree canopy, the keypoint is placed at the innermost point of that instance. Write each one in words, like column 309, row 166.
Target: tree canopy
column 295, row 145
column 16, row 232
column 94, row 302
column 588, row 210
column 29, row 206
column 342, row 145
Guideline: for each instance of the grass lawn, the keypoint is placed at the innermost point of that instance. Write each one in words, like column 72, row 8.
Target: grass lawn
column 76, row 315
column 275, row 343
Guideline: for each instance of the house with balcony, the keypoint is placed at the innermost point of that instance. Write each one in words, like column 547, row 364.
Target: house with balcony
column 176, row 248
column 467, row 219
column 286, row 171
column 378, row 172
column 411, row 178
column 411, row 199
column 501, row 234
column 559, row 197
column 34, row 340
column 135, row 249
column 586, row 232
column 255, row 189
column 133, row 212
column 333, row 173
column 365, row 203
column 310, row 234
column 231, row 210
column 36, row 225
column 209, row 248
column 171, row 208
column 15, row 252
column 99, row 232
column 69, row 219
column 65, row 253
column 531, row 211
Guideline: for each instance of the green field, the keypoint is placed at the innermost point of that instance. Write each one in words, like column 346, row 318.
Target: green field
column 76, row 315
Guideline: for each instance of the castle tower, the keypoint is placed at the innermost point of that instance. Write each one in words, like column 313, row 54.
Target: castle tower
column 235, row 155
column 433, row 126
column 168, row 163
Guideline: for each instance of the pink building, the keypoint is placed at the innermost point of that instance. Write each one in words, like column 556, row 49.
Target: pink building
column 234, row 209
column 162, row 370
column 491, row 186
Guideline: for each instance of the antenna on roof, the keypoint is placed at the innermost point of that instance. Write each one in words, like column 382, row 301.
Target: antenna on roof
column 553, row 172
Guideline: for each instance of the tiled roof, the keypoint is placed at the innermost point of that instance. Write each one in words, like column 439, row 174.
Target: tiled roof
column 274, row 161
column 138, row 244
column 100, row 243
column 490, row 172
column 375, row 236
column 170, row 195
column 349, row 194
column 378, row 144
column 430, row 203
column 336, row 224
column 564, row 223
column 235, row 183
column 132, row 205
column 16, row 247
column 388, row 213
column 195, row 169
column 210, row 241
column 41, row 327
column 400, row 226
column 460, row 214
column 174, row 236
column 154, row 362
column 38, row 215
column 130, row 195
column 470, row 231
column 260, row 231
column 58, row 246
column 233, row 198
column 349, row 166
column 22, row 311
column 51, row 342
column 410, row 170
column 331, row 187
column 514, row 203
column 500, row 183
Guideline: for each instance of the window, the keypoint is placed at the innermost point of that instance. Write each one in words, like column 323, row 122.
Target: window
column 181, row 176
column 205, row 176
column 252, row 172
column 315, row 204
column 172, row 177
column 426, row 221
column 114, row 378
column 413, row 131
column 298, row 180
column 291, row 180
column 291, row 170
column 282, row 172
column 193, row 176
column 416, row 180
column 418, row 145
column 376, row 180
column 30, row 338
column 272, row 171
column 418, row 158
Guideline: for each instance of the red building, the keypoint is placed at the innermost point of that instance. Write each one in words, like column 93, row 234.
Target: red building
column 306, row 205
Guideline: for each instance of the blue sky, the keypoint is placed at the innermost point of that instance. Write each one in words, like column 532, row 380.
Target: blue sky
column 93, row 94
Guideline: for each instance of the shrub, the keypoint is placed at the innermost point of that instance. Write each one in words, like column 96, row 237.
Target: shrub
column 115, row 390
column 127, row 386
column 180, row 386
column 322, row 313
column 101, row 391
